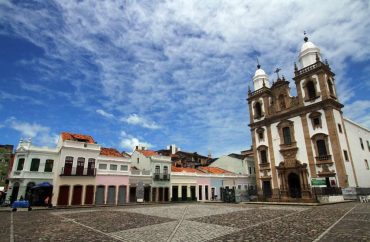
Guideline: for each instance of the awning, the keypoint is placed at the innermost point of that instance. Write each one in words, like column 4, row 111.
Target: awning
column 42, row 185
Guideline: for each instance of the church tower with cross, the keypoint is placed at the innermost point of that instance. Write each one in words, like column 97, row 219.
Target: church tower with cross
column 298, row 141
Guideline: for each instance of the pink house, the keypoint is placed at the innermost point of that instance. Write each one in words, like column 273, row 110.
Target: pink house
column 112, row 177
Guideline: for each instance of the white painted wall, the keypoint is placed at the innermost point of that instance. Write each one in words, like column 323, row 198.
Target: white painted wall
column 344, row 146
column 232, row 164
column 354, row 133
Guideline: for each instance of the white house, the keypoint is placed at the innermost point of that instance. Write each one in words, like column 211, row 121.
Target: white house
column 32, row 165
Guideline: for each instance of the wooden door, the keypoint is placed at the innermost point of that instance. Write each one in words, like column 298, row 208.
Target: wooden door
column 77, row 195
column 63, row 195
column 89, row 195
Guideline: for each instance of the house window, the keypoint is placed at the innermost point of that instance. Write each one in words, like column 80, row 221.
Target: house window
column 102, row 166
column 49, row 165
column 80, row 166
column 124, row 167
column 113, row 167
column 157, row 169
column 366, row 165
column 165, row 170
column 316, row 122
column 250, row 170
column 287, row 137
column 321, row 147
column 340, row 128
column 368, row 145
column 258, row 110
column 35, row 163
column 20, row 164
column 263, row 154
column 138, row 160
column 345, row 155
column 311, row 90
column 362, row 144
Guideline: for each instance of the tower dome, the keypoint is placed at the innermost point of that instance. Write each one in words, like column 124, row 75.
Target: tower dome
column 260, row 78
column 307, row 55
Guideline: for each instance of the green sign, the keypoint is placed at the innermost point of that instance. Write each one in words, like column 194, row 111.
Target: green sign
column 318, row 182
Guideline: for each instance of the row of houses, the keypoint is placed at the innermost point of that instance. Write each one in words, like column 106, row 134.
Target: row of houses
column 78, row 171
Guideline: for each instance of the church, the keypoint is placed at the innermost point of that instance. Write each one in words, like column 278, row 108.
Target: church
column 303, row 141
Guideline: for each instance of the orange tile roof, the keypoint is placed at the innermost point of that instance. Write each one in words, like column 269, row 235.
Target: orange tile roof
column 185, row 169
column 148, row 153
column 213, row 170
column 110, row 152
column 77, row 137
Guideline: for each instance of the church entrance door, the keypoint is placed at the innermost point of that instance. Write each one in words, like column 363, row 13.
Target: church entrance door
column 294, row 185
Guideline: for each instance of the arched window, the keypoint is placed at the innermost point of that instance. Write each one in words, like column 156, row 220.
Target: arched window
column 282, row 102
column 311, row 91
column 331, row 88
column 258, row 110
column 35, row 163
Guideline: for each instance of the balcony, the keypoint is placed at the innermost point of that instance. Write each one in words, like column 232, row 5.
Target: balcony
column 161, row 177
column 323, row 159
column 32, row 174
column 75, row 171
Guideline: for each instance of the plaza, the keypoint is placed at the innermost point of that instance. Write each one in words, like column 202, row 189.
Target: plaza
column 191, row 222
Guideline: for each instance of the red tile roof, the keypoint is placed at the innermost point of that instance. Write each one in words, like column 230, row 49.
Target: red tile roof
column 213, row 170
column 77, row 137
column 148, row 153
column 185, row 169
column 110, row 152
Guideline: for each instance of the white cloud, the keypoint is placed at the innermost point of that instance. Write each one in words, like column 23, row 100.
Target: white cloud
column 359, row 111
column 40, row 134
column 129, row 142
column 141, row 121
column 186, row 64
column 105, row 114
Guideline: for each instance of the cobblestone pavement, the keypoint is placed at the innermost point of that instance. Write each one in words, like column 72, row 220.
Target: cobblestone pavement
column 191, row 222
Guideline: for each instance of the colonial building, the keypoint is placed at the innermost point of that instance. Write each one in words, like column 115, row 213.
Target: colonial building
column 159, row 167
column 112, row 177
column 297, row 139
column 185, row 159
column 6, row 156
column 33, row 165
column 74, row 173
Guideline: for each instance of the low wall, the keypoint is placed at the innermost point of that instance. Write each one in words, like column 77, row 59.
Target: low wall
column 330, row 199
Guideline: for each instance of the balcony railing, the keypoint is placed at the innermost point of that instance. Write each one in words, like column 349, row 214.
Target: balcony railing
column 323, row 157
column 161, row 177
column 75, row 171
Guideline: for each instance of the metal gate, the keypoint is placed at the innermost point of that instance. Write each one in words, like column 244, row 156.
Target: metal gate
column 122, row 194
column 111, row 195
column 99, row 197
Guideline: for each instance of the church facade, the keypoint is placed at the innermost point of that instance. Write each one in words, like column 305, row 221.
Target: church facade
column 300, row 139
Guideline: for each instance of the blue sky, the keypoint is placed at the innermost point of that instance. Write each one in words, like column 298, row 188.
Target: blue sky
column 165, row 72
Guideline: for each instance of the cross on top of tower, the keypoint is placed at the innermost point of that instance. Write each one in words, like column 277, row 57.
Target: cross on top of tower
column 277, row 72
column 305, row 36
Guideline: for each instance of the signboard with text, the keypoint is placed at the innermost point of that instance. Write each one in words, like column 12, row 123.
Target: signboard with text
column 318, row 182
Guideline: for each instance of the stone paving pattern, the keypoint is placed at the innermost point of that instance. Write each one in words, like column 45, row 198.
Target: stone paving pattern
column 191, row 222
